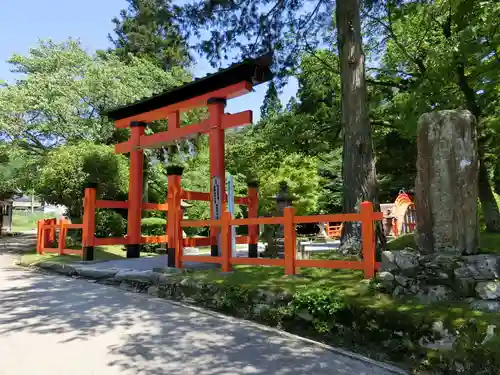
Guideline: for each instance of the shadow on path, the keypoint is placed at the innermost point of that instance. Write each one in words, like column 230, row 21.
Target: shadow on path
column 125, row 333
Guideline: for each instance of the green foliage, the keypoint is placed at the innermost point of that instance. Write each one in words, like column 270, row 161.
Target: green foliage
column 148, row 29
column 109, row 223
column 66, row 169
column 259, row 26
column 323, row 305
column 272, row 104
column 330, row 185
column 64, row 92
column 11, row 162
column 300, row 172
column 152, row 226
column 470, row 355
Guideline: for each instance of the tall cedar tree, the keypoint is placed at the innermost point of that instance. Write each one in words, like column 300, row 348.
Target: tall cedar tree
column 272, row 105
column 148, row 29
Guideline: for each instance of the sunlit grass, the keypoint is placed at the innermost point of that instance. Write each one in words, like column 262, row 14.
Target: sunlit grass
column 101, row 253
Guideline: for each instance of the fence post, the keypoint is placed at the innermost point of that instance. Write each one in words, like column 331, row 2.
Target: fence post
column 46, row 233
column 226, row 241
column 179, row 250
column 174, row 174
column 39, row 236
column 368, row 239
column 62, row 237
column 53, row 223
column 253, row 212
column 290, row 250
column 88, row 228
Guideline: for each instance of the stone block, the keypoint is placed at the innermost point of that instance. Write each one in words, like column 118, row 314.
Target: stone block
column 137, row 276
column 97, row 273
column 489, row 290
column 489, row 306
column 435, row 293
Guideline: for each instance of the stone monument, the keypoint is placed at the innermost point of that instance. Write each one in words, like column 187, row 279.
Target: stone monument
column 447, row 183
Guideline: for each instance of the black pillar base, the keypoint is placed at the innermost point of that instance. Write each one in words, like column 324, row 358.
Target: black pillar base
column 253, row 250
column 133, row 251
column 214, row 250
column 171, row 257
column 88, row 253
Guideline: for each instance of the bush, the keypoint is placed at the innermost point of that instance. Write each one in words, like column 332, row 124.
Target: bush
column 152, row 226
column 110, row 224
column 66, row 169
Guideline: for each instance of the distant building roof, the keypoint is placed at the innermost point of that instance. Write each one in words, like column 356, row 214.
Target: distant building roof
column 24, row 198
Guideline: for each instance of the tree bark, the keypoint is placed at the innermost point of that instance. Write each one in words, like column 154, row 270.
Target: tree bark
column 489, row 205
column 358, row 167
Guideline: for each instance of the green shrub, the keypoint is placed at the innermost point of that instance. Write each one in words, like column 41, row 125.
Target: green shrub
column 67, row 168
column 152, row 226
column 470, row 355
column 109, row 223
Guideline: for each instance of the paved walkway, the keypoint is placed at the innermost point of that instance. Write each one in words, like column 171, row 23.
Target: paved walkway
column 51, row 325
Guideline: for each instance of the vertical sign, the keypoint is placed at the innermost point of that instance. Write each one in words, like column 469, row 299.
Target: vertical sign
column 217, row 206
column 216, row 197
column 230, row 207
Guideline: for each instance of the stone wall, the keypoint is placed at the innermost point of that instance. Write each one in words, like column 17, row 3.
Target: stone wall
column 443, row 276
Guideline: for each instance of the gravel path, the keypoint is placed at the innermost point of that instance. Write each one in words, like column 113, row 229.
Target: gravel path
column 51, row 325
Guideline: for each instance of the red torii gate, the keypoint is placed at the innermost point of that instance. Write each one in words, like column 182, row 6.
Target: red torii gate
column 211, row 91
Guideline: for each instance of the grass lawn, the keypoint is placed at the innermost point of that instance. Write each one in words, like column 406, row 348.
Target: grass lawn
column 22, row 222
column 110, row 252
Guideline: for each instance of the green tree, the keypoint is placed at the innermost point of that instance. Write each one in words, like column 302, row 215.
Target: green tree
column 63, row 90
column 272, row 104
column 444, row 55
column 66, row 169
column 301, row 174
column 148, row 29
column 11, row 161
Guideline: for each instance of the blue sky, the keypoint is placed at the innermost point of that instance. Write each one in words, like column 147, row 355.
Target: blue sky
column 24, row 22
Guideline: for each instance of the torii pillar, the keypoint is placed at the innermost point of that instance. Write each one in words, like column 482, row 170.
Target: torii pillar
column 216, row 108
column 135, row 190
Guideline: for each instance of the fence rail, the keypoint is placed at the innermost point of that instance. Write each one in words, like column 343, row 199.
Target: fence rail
column 46, row 235
column 289, row 220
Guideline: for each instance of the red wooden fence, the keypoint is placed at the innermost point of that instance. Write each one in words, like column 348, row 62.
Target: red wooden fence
column 46, row 235
column 289, row 220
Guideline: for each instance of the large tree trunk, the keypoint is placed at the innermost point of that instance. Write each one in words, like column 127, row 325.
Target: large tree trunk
column 358, row 168
column 488, row 203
